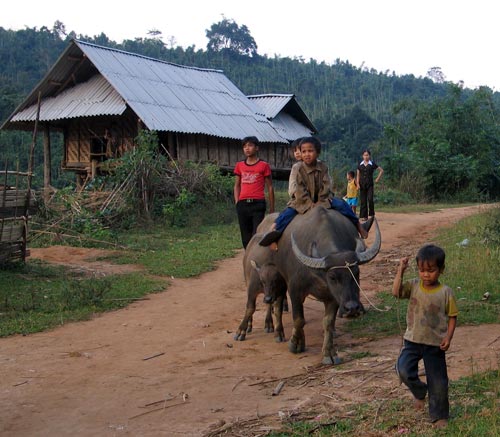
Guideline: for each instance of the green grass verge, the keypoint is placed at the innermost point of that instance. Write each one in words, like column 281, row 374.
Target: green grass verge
column 35, row 297
column 471, row 271
column 179, row 252
column 474, row 411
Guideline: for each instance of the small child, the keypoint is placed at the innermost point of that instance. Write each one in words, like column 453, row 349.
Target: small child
column 297, row 154
column 309, row 186
column 352, row 191
column 431, row 319
column 312, row 187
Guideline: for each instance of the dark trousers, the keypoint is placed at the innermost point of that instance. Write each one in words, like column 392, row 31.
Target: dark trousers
column 341, row 206
column 250, row 214
column 287, row 215
column 367, row 207
column 435, row 372
column 284, row 219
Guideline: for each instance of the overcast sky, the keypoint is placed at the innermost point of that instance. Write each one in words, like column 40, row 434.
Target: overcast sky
column 406, row 36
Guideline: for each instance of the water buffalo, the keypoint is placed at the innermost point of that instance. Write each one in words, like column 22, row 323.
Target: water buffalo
column 262, row 276
column 319, row 253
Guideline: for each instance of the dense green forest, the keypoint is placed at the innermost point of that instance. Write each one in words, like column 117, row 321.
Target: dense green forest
column 435, row 139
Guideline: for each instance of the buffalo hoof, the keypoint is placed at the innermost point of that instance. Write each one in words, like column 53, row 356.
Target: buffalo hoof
column 295, row 348
column 269, row 329
column 280, row 337
column 249, row 330
column 240, row 336
column 332, row 361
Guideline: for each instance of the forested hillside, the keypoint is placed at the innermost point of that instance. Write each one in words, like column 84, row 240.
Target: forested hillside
column 410, row 123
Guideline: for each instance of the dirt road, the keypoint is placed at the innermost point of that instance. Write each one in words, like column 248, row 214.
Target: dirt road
column 95, row 378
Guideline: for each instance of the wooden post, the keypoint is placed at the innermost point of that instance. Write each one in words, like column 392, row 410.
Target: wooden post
column 93, row 169
column 47, row 160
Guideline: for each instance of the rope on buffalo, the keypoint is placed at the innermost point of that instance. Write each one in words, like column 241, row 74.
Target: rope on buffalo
column 348, row 267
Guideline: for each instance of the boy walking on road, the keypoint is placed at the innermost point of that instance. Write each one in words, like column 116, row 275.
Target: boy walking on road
column 431, row 320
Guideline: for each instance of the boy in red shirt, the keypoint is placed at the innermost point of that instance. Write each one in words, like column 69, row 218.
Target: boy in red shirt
column 252, row 176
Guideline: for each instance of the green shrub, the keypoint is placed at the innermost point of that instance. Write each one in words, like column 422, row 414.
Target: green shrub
column 177, row 210
column 392, row 196
column 489, row 232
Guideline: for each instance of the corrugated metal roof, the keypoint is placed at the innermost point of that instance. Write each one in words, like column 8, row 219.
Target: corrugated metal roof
column 290, row 128
column 285, row 114
column 94, row 97
column 271, row 104
column 166, row 96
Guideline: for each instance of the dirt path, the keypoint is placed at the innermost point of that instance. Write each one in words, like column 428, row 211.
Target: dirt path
column 91, row 378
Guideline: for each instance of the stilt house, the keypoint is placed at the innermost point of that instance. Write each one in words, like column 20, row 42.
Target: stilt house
column 99, row 98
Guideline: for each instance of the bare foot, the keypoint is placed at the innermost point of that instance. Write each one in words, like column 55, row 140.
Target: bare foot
column 419, row 404
column 441, row 423
column 274, row 247
column 362, row 231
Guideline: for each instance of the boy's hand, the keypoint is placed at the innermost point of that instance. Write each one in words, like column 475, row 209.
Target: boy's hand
column 403, row 263
column 445, row 344
column 397, row 285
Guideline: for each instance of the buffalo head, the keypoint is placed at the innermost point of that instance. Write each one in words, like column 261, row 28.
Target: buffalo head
column 341, row 272
column 272, row 282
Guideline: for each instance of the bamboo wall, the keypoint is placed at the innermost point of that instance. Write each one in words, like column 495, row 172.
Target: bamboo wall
column 82, row 133
column 15, row 207
column 224, row 152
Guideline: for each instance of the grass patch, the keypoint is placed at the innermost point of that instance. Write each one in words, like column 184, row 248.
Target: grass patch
column 328, row 428
column 35, row 296
column 474, row 411
column 180, row 252
column 471, row 270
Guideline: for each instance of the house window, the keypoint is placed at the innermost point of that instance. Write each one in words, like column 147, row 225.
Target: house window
column 98, row 149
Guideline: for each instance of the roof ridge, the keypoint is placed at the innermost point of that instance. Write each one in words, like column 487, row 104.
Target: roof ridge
column 271, row 95
column 85, row 43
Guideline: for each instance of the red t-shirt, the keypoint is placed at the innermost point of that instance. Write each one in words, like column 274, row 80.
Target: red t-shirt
column 252, row 179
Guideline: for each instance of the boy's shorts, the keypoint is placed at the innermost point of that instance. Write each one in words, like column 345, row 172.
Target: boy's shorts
column 352, row 201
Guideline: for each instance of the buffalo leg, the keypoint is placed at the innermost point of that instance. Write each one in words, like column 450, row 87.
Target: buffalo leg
column 279, row 334
column 329, row 348
column 297, row 341
column 268, row 324
column 247, row 322
column 285, row 304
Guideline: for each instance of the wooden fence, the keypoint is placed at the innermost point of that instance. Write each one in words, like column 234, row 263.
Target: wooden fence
column 15, row 205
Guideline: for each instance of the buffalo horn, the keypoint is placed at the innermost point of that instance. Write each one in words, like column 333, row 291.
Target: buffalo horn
column 370, row 253
column 314, row 263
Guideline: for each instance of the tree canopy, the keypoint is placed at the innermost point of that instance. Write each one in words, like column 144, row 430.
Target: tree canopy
column 227, row 35
column 435, row 139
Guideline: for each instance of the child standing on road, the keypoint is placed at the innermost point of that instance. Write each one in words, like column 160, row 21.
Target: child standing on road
column 431, row 320
column 352, row 191
column 252, row 176
column 364, row 180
